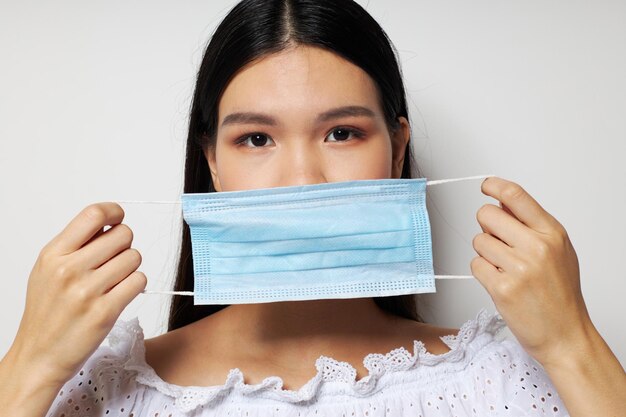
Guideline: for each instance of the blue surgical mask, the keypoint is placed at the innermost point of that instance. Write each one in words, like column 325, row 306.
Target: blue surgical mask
column 350, row 239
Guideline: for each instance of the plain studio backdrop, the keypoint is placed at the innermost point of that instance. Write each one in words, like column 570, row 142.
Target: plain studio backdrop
column 94, row 101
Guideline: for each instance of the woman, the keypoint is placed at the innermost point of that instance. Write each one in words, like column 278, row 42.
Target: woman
column 289, row 62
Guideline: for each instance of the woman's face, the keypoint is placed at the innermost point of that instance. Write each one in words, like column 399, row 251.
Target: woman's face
column 302, row 116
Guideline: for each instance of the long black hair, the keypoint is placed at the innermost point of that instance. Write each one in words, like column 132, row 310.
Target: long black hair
column 252, row 29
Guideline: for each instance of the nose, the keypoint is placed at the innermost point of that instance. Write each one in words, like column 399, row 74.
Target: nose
column 302, row 164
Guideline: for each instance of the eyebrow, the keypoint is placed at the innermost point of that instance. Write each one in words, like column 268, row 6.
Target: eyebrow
column 265, row 119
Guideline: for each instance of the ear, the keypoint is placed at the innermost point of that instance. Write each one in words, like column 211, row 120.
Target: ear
column 399, row 142
column 209, row 154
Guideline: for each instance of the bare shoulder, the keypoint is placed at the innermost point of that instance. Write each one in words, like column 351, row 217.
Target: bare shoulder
column 174, row 341
column 440, row 331
column 430, row 335
column 168, row 346
column 179, row 358
column 164, row 349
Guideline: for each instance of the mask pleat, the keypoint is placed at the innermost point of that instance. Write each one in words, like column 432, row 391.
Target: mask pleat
column 357, row 241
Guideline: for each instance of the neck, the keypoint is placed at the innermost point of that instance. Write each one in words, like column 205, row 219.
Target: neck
column 302, row 326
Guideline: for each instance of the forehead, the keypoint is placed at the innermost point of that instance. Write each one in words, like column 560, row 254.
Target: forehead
column 301, row 78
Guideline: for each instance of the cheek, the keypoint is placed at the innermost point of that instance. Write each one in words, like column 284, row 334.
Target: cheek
column 232, row 175
column 243, row 170
column 368, row 161
column 382, row 159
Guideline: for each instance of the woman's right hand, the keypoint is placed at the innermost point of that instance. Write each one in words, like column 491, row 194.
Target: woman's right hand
column 81, row 282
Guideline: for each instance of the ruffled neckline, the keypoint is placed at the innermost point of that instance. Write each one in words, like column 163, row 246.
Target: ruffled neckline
column 127, row 340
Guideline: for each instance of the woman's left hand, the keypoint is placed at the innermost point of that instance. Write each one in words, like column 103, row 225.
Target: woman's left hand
column 529, row 268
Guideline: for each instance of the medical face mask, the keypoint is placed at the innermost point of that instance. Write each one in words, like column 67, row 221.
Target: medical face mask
column 350, row 239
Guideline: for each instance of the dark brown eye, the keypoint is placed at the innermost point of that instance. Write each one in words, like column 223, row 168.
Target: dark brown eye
column 342, row 134
column 258, row 140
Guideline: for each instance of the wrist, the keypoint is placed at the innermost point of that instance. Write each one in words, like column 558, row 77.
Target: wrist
column 579, row 353
column 28, row 375
column 24, row 391
column 587, row 375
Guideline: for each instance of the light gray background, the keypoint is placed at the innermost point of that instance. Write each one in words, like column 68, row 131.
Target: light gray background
column 94, row 100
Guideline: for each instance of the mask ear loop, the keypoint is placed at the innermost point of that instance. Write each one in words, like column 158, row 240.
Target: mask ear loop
column 437, row 182
column 191, row 293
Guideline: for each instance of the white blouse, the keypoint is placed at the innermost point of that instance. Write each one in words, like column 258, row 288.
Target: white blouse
column 482, row 375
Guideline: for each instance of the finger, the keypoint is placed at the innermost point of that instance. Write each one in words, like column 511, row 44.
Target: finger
column 115, row 270
column 505, row 227
column 505, row 208
column 496, row 252
column 520, row 203
column 487, row 274
column 125, row 291
column 85, row 226
column 112, row 242
column 94, row 237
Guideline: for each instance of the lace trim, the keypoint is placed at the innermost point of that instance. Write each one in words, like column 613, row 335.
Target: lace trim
column 127, row 339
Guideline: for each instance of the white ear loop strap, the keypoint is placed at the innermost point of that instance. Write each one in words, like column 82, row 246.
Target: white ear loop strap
column 436, row 182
